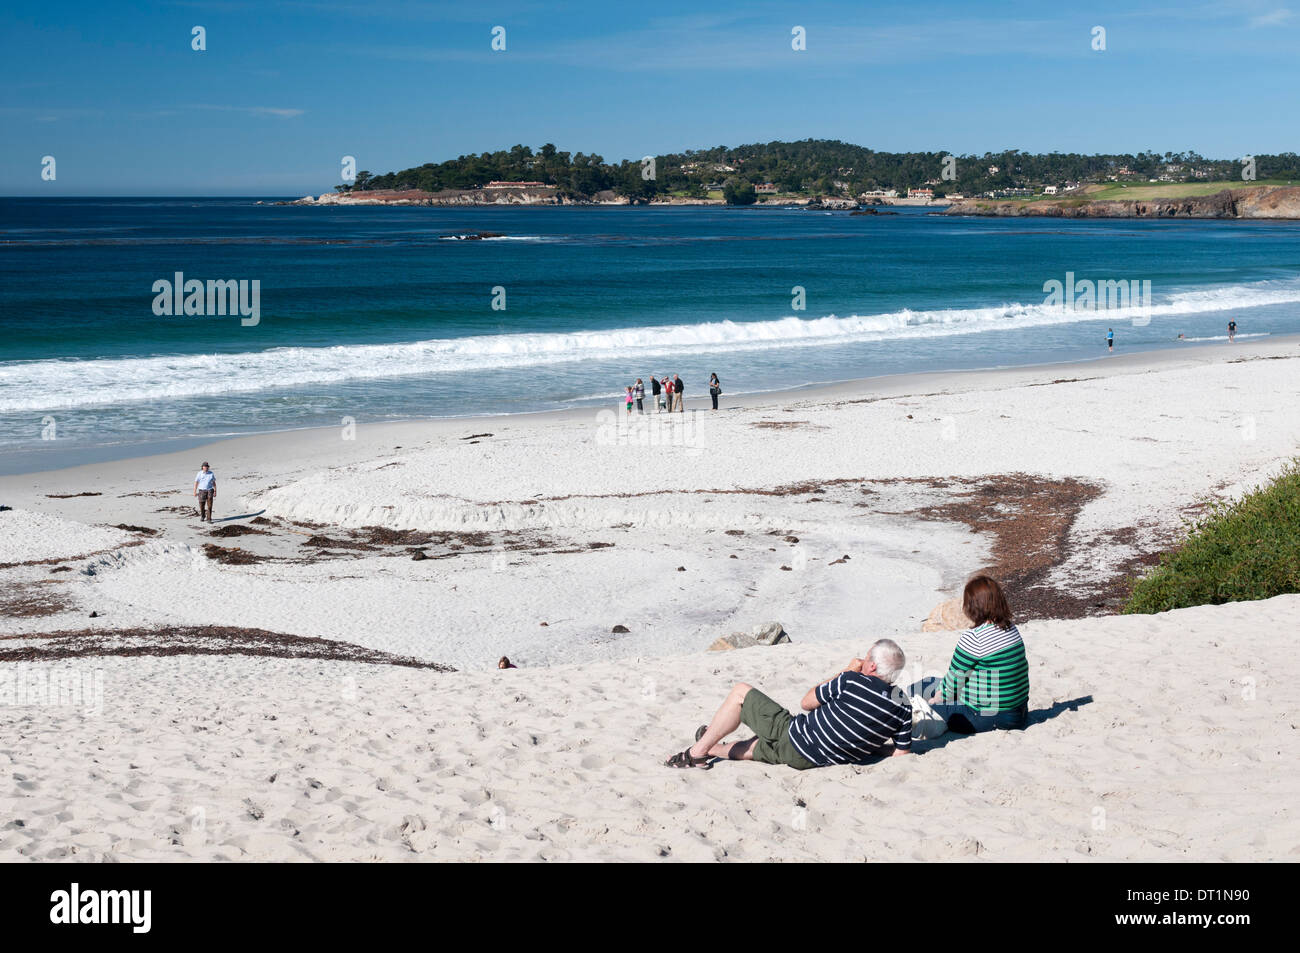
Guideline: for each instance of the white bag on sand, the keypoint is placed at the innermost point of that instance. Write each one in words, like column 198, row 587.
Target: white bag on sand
column 926, row 722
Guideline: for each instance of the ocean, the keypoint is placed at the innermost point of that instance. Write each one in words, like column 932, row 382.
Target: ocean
column 393, row 313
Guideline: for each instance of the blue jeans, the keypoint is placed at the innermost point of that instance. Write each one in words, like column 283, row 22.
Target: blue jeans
column 967, row 721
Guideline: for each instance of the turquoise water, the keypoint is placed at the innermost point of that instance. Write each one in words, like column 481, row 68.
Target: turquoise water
column 382, row 313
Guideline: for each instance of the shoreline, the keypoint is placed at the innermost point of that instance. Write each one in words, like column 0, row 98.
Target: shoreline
column 889, row 383
column 547, row 197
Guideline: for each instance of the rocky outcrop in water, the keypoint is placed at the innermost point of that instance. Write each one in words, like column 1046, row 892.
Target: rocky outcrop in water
column 832, row 203
column 520, row 196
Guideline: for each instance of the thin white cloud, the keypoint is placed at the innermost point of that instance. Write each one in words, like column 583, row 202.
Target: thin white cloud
column 274, row 111
column 48, row 114
column 715, row 42
column 1280, row 15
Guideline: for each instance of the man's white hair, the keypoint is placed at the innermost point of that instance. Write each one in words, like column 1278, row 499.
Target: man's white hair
column 889, row 659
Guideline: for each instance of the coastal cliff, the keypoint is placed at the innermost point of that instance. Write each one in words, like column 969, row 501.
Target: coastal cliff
column 519, row 196
column 549, row 196
column 516, row 196
column 1268, row 202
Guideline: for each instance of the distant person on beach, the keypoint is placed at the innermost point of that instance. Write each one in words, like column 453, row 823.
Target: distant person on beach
column 655, row 389
column 846, row 719
column 1232, row 331
column 1110, row 339
column 205, row 488
column 639, row 392
column 504, row 662
column 629, row 400
column 715, row 388
column 987, row 685
column 678, row 387
column 668, row 392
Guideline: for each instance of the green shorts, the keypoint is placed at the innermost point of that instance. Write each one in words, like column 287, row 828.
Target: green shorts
column 771, row 722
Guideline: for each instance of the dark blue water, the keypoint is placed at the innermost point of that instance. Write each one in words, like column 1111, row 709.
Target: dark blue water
column 381, row 313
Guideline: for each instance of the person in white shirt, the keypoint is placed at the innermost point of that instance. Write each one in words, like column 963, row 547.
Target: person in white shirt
column 205, row 488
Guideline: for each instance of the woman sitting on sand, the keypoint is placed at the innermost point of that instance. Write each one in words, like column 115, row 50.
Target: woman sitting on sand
column 987, row 685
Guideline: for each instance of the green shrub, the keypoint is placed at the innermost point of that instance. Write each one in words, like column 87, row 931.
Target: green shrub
column 1249, row 549
column 738, row 192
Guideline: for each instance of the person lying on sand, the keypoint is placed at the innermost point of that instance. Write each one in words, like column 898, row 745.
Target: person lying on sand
column 848, row 719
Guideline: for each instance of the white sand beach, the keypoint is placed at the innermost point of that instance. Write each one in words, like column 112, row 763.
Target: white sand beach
column 277, row 685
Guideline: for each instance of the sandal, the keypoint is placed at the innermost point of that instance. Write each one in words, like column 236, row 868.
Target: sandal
column 683, row 759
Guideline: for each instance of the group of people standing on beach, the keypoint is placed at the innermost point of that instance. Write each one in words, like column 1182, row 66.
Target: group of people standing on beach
column 666, row 394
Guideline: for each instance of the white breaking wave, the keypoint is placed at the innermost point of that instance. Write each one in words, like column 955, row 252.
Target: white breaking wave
column 1224, row 337
column 52, row 384
column 478, row 237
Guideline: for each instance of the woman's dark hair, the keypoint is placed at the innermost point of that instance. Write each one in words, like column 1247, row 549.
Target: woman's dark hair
column 983, row 601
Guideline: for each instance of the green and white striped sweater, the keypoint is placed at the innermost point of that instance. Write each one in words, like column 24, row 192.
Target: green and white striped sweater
column 989, row 670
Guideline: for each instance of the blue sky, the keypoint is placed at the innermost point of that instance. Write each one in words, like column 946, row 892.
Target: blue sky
column 116, row 94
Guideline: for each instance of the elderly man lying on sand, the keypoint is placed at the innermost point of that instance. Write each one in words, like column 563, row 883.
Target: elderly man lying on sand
column 848, row 718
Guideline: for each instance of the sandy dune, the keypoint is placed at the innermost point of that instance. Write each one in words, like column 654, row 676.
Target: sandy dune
column 1155, row 738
